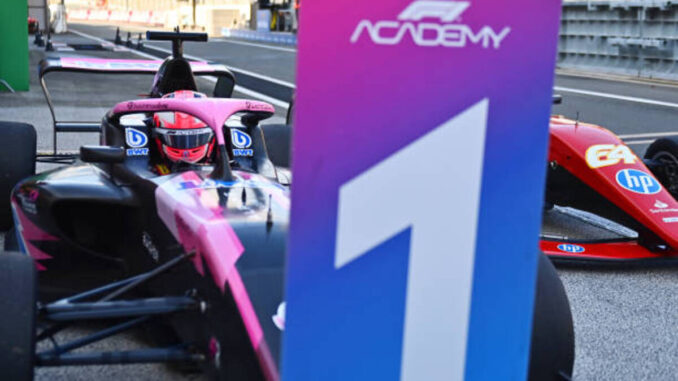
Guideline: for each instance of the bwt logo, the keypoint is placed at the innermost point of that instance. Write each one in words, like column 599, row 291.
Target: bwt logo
column 240, row 139
column 135, row 138
column 443, row 33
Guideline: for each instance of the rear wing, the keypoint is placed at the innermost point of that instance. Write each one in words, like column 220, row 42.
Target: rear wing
column 223, row 88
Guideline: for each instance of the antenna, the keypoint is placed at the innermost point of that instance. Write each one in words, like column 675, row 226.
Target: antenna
column 269, row 215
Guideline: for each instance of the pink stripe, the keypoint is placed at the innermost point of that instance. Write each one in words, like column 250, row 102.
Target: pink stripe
column 197, row 222
column 242, row 300
column 221, row 248
column 31, row 232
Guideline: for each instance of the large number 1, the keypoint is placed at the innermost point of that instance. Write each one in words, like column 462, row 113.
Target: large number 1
column 433, row 186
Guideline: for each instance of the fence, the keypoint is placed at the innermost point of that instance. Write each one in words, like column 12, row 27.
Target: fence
column 637, row 38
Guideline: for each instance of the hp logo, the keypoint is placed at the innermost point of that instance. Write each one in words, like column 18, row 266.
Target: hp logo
column 240, row 139
column 135, row 138
column 638, row 181
column 570, row 248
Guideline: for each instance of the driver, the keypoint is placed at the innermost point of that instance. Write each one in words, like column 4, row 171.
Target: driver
column 182, row 139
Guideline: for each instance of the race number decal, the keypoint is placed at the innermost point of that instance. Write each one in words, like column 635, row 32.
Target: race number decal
column 603, row 155
column 438, row 286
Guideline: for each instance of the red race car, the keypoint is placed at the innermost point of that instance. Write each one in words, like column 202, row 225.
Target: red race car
column 604, row 203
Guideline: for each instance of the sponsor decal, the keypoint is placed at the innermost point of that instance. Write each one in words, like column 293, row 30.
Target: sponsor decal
column 147, row 106
column 637, row 181
column 670, row 219
column 243, row 152
column 27, row 199
column 257, row 106
column 137, row 152
column 150, row 246
column 135, row 138
column 279, row 317
column 430, row 23
column 603, row 155
column 570, row 248
column 241, row 141
column 218, row 184
column 660, row 205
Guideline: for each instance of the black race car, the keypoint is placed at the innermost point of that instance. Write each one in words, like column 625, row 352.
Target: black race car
column 192, row 249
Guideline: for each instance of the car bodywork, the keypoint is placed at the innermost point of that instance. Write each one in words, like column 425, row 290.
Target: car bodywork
column 601, row 182
column 224, row 83
column 92, row 223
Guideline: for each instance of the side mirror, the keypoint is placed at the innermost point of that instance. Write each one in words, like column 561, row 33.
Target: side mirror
column 224, row 87
column 557, row 99
column 102, row 154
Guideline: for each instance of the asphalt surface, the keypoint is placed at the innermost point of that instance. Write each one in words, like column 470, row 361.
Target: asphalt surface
column 626, row 320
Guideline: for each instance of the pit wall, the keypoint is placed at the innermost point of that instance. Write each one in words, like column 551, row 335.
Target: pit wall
column 632, row 38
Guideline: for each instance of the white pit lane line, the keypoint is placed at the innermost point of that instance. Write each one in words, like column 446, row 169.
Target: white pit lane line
column 615, row 96
column 263, row 46
column 244, row 90
column 639, row 142
column 648, row 135
column 652, row 135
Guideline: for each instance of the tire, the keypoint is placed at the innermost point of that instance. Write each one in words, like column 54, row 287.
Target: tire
column 663, row 145
column 290, row 113
column 18, row 305
column 664, row 154
column 17, row 144
column 552, row 346
column 278, row 139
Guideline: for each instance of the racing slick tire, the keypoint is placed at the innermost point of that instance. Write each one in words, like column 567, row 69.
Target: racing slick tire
column 665, row 152
column 17, row 144
column 290, row 113
column 552, row 347
column 278, row 139
column 17, row 305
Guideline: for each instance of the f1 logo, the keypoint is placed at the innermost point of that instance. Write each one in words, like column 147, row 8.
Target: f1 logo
column 446, row 11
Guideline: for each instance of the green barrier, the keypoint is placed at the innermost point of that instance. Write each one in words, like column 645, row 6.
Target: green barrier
column 14, row 44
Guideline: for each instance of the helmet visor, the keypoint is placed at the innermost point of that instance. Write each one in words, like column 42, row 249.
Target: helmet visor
column 185, row 138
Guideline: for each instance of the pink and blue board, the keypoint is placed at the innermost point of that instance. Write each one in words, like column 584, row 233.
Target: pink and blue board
column 420, row 140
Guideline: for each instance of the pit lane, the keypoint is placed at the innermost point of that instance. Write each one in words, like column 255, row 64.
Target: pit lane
column 625, row 319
